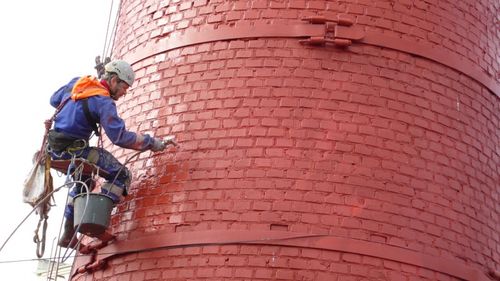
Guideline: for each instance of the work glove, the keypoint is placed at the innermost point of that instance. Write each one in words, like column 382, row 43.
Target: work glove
column 170, row 140
column 48, row 124
column 158, row 145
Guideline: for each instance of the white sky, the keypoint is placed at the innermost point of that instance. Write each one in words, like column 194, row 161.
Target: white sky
column 43, row 45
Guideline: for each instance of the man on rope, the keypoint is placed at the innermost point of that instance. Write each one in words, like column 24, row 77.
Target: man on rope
column 82, row 104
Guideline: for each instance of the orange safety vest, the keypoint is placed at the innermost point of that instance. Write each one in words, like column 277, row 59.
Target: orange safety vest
column 88, row 86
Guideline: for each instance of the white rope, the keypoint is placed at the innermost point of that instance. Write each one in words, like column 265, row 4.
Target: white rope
column 109, row 40
column 107, row 31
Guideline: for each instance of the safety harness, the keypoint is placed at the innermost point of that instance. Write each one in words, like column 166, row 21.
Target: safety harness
column 86, row 87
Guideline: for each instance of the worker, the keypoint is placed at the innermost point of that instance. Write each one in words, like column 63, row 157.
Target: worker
column 82, row 104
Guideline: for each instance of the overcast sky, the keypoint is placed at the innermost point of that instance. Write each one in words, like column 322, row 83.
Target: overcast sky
column 43, row 45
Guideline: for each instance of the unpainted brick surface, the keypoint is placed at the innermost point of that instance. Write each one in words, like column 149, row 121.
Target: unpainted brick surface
column 367, row 143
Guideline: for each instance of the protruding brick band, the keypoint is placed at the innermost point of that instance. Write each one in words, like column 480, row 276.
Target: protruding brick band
column 451, row 267
column 310, row 31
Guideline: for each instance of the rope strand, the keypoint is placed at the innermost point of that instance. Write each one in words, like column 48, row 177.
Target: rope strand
column 107, row 31
column 111, row 37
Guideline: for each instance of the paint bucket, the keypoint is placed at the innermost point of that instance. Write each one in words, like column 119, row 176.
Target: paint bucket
column 94, row 219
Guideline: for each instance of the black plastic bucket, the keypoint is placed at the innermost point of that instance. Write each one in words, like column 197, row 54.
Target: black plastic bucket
column 97, row 215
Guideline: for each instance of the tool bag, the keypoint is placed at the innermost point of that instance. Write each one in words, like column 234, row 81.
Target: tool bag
column 38, row 182
column 59, row 141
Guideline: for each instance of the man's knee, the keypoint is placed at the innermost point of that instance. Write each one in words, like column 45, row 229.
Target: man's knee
column 116, row 192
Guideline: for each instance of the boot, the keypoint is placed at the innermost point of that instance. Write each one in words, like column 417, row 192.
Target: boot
column 69, row 232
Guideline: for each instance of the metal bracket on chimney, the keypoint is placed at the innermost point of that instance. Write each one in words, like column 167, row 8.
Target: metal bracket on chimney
column 339, row 32
column 91, row 251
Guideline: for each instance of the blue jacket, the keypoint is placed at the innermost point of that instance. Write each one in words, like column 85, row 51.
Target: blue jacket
column 71, row 119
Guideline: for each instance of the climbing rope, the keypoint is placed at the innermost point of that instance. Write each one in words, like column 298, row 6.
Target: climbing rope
column 43, row 211
column 34, row 209
column 104, row 50
column 40, row 243
column 73, row 177
column 108, row 39
column 73, row 172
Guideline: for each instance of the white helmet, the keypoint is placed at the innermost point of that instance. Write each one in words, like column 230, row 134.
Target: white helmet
column 122, row 69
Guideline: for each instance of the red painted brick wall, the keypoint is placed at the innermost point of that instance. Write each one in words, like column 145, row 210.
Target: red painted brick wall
column 365, row 143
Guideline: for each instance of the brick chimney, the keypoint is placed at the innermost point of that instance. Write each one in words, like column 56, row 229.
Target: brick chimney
column 320, row 140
